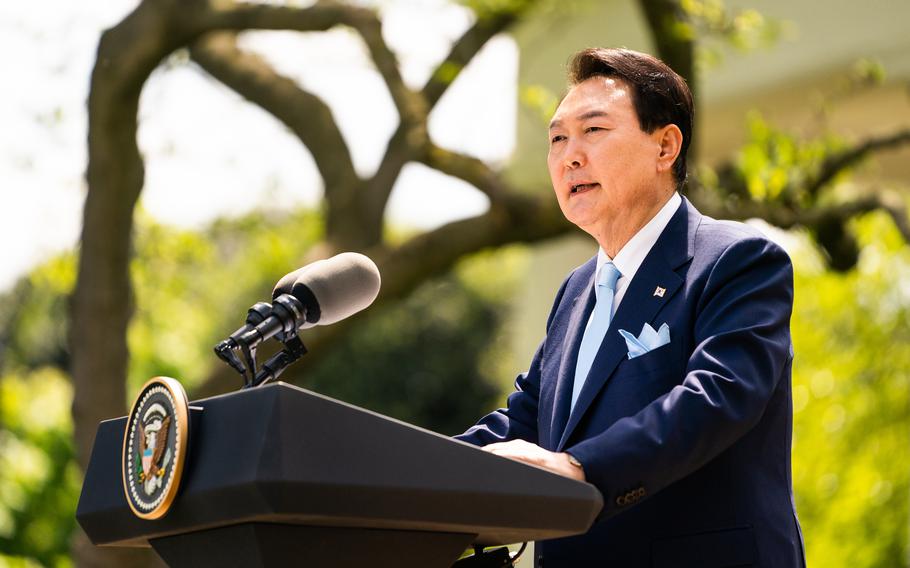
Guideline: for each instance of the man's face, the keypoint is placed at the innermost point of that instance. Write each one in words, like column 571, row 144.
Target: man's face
column 603, row 167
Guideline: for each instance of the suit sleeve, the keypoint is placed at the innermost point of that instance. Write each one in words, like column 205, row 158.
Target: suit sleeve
column 518, row 420
column 742, row 349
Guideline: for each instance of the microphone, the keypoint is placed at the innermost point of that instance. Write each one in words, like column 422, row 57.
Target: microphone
column 321, row 293
column 332, row 289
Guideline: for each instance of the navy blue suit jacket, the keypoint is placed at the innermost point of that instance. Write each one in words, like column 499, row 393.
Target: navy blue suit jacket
column 689, row 443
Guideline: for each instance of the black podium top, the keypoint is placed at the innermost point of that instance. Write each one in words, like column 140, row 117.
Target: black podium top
column 282, row 454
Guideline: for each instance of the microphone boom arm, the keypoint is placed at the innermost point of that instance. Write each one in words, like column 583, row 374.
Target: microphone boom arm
column 264, row 321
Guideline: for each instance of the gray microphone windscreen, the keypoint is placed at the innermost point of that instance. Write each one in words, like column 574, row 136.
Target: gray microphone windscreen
column 334, row 288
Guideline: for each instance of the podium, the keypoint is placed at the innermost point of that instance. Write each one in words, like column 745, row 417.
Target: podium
column 281, row 476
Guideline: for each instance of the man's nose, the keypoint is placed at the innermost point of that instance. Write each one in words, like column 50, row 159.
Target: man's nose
column 574, row 156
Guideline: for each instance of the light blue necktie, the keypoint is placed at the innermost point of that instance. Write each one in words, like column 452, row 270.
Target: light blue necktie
column 597, row 326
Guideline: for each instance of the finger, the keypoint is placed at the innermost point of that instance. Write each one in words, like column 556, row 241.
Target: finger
column 503, row 452
column 500, row 445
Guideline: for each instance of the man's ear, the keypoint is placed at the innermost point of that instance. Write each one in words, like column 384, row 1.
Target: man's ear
column 670, row 139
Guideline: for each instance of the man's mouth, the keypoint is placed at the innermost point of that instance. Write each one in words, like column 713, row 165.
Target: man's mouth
column 582, row 187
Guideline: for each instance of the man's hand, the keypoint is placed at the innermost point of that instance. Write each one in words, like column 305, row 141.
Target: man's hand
column 535, row 455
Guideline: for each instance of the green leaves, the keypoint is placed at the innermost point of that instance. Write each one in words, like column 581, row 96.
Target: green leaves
column 716, row 26
column 851, row 394
column 488, row 9
column 541, row 101
column 33, row 316
column 39, row 482
column 775, row 165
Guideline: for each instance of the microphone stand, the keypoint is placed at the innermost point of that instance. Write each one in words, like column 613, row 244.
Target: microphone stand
column 279, row 320
column 277, row 363
column 226, row 349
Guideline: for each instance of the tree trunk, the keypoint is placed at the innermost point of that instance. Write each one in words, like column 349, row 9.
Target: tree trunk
column 102, row 301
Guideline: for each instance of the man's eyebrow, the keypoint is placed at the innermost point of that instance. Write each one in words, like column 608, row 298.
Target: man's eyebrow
column 593, row 114
column 582, row 117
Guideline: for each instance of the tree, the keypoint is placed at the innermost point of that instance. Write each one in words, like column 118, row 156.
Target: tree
column 102, row 302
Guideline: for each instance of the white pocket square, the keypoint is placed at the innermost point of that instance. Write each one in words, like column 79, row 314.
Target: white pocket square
column 647, row 340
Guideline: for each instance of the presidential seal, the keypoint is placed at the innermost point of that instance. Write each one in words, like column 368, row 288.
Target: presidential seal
column 155, row 446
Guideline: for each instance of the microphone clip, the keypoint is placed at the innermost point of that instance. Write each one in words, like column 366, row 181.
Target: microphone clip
column 280, row 320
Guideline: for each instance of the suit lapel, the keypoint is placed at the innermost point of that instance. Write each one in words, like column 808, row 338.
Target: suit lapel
column 639, row 305
column 583, row 305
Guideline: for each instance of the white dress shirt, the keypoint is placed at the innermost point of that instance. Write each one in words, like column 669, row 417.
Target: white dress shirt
column 633, row 253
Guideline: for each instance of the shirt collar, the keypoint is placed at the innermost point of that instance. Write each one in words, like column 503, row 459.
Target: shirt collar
column 633, row 253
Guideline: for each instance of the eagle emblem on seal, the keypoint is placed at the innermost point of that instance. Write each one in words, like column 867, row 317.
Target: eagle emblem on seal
column 152, row 448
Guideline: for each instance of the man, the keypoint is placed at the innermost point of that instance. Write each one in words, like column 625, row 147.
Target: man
column 664, row 375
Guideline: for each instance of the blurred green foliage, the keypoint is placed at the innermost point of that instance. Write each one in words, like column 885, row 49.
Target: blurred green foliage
column 851, row 396
column 716, row 28
column 773, row 160
column 33, row 317
column 39, row 480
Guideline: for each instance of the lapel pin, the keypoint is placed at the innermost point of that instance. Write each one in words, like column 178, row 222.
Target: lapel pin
column 659, row 292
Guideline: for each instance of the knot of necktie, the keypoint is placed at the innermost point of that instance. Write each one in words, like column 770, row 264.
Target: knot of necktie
column 607, row 278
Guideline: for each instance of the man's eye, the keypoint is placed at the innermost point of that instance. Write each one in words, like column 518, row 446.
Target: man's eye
column 557, row 138
column 593, row 128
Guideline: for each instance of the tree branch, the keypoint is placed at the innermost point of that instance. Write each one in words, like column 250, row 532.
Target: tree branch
column 411, row 107
column 410, row 139
column 305, row 114
column 518, row 219
column 522, row 219
column 837, row 163
column 898, row 213
column 403, row 146
column 354, row 220
column 788, row 217
column 470, row 169
column 466, row 47
column 237, row 16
